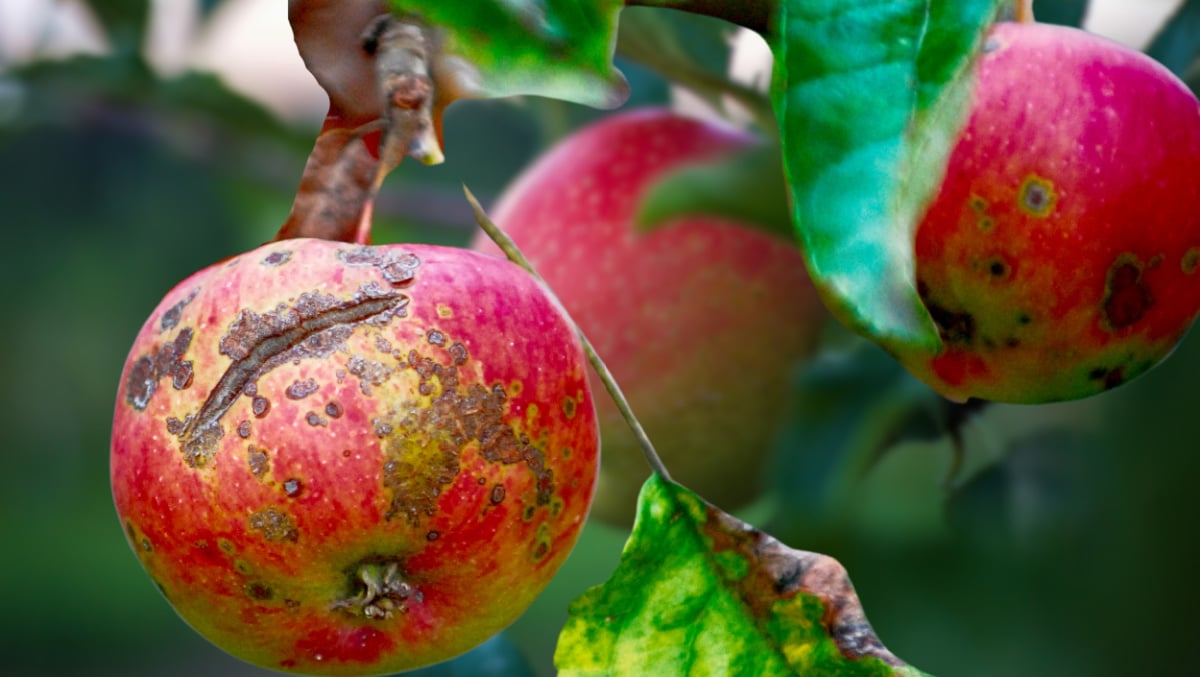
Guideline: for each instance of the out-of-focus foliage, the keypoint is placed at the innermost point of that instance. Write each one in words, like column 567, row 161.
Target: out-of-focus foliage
column 1060, row 547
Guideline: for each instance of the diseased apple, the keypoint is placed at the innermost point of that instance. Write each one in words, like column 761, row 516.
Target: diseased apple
column 1062, row 255
column 701, row 319
column 346, row 460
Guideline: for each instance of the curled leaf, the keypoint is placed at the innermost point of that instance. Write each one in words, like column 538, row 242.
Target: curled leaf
column 870, row 98
column 699, row 592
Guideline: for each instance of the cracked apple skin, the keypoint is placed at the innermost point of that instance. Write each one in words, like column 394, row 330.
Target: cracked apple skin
column 345, row 460
column 1060, row 257
column 701, row 319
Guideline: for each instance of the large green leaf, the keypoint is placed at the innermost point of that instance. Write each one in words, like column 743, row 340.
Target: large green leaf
column 556, row 48
column 870, row 98
column 699, row 592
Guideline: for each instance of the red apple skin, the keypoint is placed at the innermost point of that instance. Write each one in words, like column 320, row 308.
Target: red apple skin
column 1060, row 257
column 311, row 414
column 701, row 319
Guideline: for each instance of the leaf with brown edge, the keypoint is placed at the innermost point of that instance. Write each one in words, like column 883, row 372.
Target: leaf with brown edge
column 699, row 592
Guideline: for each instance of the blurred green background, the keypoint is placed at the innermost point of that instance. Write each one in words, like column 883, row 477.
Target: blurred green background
column 1064, row 546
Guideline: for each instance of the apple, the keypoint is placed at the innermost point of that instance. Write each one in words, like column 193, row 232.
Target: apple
column 337, row 459
column 701, row 319
column 1061, row 256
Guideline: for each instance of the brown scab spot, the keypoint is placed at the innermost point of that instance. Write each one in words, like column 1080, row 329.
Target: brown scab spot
column 458, row 353
column 423, row 456
column 315, row 326
column 170, row 318
column 955, row 327
column 274, row 525
column 1190, row 261
column 432, row 536
column 174, row 425
column 369, row 372
column 314, row 419
column 1109, row 378
column 1126, row 298
column 1037, row 196
column 277, row 258
column 259, row 591
column 183, row 376
column 243, row 429
column 498, row 494
column 226, row 546
column 261, row 406
column 140, row 383
column 257, row 459
column 541, row 550
column 333, row 410
column 569, row 406
column 436, row 337
column 292, row 487
column 997, row 268
column 301, row 389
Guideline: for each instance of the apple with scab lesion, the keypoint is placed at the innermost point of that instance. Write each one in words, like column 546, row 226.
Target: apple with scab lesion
column 1060, row 257
column 341, row 459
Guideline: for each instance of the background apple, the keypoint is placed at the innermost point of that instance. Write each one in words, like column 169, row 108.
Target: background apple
column 335, row 459
column 701, row 318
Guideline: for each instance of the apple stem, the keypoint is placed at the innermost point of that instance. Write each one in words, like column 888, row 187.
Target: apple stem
column 506, row 245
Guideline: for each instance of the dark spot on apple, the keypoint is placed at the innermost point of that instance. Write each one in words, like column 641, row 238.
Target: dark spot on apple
column 542, row 549
column 432, row 536
column 529, row 512
column 481, row 481
column 226, row 546
column 243, row 567
column 274, row 525
column 436, row 337
column 260, row 405
column 955, row 327
column 1037, row 196
column 259, row 591
column 458, row 353
column 1109, row 378
column 345, row 453
column 293, row 487
column 569, row 406
column 369, row 372
column 277, row 258
column 1024, row 318
column 498, row 494
column 998, row 268
column 243, row 429
column 183, row 376
column 314, row 419
column 333, row 410
column 301, row 389
column 1126, row 298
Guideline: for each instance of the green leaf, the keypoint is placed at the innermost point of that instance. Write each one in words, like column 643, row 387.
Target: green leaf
column 561, row 49
column 1064, row 12
column 699, row 592
column 747, row 187
column 124, row 21
column 870, row 98
column 1177, row 46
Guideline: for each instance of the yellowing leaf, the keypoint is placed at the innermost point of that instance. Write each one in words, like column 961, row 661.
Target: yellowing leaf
column 698, row 592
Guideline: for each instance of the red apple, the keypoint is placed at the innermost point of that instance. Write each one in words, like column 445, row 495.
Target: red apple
column 701, row 319
column 346, row 460
column 1060, row 257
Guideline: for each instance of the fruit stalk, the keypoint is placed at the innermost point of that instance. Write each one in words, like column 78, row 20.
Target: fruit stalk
column 510, row 249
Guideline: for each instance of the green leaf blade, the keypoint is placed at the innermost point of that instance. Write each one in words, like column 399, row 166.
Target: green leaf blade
column 698, row 592
column 869, row 99
column 561, row 49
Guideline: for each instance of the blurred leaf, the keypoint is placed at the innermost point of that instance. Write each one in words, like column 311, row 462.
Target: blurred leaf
column 125, row 21
column 208, row 7
column 691, row 51
column 870, row 98
column 556, row 48
column 1177, row 44
column 747, row 187
column 849, row 407
column 1064, row 12
column 699, row 592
